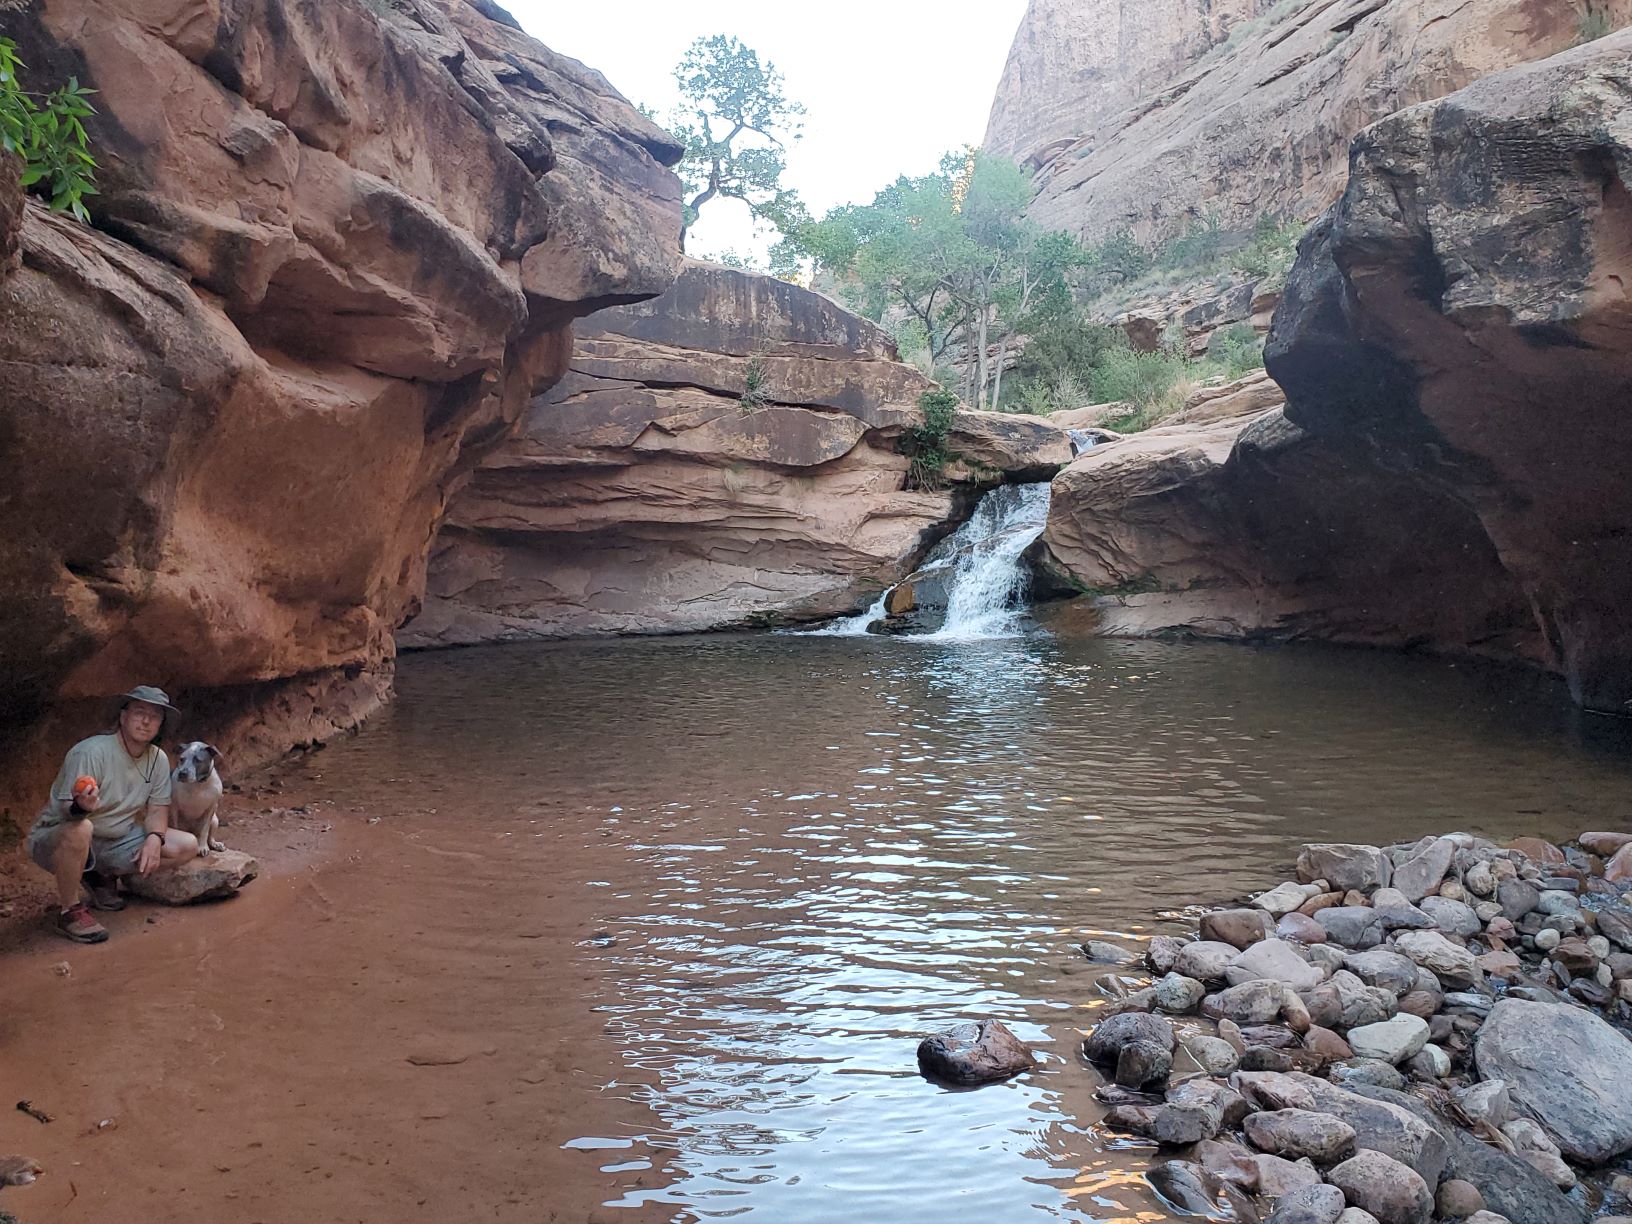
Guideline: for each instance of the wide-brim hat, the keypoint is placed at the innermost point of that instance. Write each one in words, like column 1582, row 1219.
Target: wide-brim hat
column 149, row 694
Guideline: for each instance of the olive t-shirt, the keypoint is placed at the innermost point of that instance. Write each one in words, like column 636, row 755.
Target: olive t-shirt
column 127, row 784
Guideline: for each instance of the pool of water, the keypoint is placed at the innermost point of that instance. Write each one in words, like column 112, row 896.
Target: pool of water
column 789, row 858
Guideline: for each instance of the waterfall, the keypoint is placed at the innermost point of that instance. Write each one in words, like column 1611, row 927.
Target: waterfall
column 985, row 577
column 1081, row 440
column 986, row 595
column 852, row 626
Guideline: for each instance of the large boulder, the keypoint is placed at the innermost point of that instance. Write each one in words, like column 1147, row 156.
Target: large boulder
column 647, row 492
column 1434, row 314
column 1566, row 1068
column 1509, row 1185
column 303, row 314
column 1442, row 309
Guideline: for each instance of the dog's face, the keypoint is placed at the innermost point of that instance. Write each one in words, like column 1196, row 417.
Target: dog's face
column 195, row 762
column 18, row 1171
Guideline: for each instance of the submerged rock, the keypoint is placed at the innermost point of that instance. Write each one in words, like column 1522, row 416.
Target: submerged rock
column 976, row 1053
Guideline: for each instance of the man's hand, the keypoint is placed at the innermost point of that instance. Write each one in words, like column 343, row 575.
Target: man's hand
column 87, row 793
column 151, row 852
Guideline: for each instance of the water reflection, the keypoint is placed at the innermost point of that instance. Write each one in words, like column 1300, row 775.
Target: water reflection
column 807, row 852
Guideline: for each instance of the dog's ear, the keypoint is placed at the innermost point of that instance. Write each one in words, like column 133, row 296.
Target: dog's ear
column 215, row 753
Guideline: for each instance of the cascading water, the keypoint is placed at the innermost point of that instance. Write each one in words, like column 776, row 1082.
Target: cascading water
column 985, row 597
column 985, row 577
column 852, row 626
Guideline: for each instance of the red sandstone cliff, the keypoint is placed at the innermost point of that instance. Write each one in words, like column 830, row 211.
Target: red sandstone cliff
column 1152, row 114
column 337, row 250
column 1456, row 349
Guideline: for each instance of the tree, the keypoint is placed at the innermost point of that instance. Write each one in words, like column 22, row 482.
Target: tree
column 736, row 124
column 954, row 252
column 46, row 133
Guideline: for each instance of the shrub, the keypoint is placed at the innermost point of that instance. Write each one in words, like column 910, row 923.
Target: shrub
column 1594, row 24
column 925, row 444
column 1237, row 349
column 46, row 133
column 1197, row 247
column 1148, row 381
column 755, row 386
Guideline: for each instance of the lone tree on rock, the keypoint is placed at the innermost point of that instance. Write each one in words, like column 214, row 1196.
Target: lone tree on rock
column 736, row 124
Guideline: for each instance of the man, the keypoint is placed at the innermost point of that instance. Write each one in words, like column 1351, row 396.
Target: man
column 127, row 831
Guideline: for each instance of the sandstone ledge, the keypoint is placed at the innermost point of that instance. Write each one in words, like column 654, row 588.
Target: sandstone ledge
column 643, row 495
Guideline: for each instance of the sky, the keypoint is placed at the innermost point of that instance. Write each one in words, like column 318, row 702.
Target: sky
column 887, row 85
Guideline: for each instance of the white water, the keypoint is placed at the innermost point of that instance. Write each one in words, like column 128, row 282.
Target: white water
column 852, row 626
column 1081, row 440
column 986, row 597
column 986, row 591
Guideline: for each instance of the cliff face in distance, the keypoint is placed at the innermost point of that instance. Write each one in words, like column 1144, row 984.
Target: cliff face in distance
column 1449, row 470
column 336, row 252
column 1138, row 125
column 642, row 494
column 1074, row 65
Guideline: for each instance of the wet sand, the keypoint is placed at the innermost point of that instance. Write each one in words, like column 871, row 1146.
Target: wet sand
column 314, row 1050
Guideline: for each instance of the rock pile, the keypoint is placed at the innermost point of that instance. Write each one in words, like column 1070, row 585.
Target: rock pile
column 1428, row 1031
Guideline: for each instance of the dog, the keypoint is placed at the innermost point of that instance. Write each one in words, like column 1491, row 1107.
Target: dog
column 195, row 794
column 18, row 1171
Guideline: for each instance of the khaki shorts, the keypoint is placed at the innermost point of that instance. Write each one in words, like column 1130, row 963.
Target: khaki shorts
column 109, row 855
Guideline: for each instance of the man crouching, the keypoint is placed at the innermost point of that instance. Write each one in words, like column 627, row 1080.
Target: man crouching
column 109, row 814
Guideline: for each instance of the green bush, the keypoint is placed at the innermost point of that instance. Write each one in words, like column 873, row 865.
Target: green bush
column 756, row 386
column 45, row 131
column 1237, row 350
column 1119, row 258
column 1594, row 24
column 1148, row 381
column 925, row 445
column 1198, row 246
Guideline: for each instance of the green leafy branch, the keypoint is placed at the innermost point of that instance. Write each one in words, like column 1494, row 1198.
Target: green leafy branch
column 46, row 132
column 926, row 444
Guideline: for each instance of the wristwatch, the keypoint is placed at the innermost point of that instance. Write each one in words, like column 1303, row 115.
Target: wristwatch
column 157, row 834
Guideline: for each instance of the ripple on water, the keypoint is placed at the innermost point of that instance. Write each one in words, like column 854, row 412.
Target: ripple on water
column 813, row 850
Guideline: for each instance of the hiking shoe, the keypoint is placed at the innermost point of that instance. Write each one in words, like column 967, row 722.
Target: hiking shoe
column 77, row 924
column 104, row 891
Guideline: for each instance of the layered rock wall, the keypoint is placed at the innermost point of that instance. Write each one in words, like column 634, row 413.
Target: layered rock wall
column 335, row 254
column 1135, row 116
column 1455, row 345
column 646, row 494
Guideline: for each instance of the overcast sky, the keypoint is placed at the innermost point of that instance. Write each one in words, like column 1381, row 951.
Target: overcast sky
column 888, row 85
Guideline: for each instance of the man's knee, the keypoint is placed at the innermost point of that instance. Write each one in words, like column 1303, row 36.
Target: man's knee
column 74, row 836
column 179, row 845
